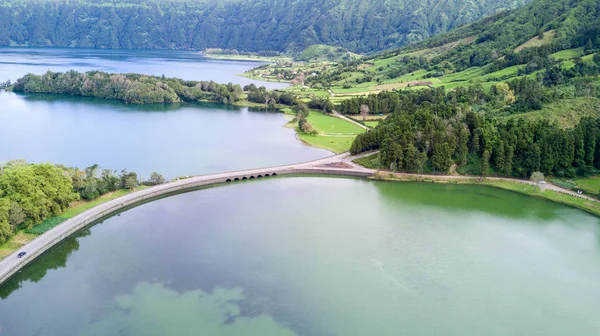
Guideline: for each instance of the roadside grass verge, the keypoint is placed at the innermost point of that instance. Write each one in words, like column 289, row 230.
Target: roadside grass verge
column 511, row 185
column 371, row 161
column 589, row 185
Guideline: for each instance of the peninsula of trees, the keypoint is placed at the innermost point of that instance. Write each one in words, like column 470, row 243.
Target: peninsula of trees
column 129, row 88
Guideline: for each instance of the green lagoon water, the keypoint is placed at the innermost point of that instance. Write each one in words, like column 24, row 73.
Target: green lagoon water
column 319, row 256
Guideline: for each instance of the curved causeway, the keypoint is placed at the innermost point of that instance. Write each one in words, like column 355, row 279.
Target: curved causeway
column 12, row 264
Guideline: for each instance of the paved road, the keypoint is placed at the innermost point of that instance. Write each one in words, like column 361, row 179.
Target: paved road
column 12, row 263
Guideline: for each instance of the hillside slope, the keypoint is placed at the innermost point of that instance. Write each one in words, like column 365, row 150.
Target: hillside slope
column 256, row 25
column 513, row 95
column 525, row 42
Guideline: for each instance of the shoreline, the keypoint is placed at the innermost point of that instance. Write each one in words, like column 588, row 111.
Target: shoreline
column 227, row 57
column 11, row 264
column 263, row 79
column 547, row 192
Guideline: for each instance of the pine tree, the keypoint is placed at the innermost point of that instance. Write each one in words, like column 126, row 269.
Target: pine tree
column 589, row 47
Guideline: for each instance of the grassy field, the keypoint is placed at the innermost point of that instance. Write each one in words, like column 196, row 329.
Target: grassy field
column 80, row 207
column 334, row 134
column 331, row 125
column 22, row 238
column 321, row 52
column 549, row 37
column 568, row 54
column 567, row 112
column 346, row 85
column 336, row 144
column 371, row 123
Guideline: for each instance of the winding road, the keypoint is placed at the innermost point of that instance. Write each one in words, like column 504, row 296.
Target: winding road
column 341, row 164
column 326, row 166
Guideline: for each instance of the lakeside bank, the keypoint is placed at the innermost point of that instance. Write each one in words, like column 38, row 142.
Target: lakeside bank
column 337, row 165
column 546, row 191
column 12, row 264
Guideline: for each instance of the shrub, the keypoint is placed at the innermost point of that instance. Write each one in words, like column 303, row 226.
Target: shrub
column 46, row 225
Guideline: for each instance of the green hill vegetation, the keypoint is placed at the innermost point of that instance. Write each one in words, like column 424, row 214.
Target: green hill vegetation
column 325, row 53
column 519, row 94
column 256, row 25
column 505, row 46
column 129, row 88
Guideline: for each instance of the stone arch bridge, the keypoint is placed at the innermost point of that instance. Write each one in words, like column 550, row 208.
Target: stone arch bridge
column 334, row 165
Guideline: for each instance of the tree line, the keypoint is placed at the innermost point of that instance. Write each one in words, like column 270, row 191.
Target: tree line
column 31, row 193
column 521, row 94
column 129, row 88
column 434, row 130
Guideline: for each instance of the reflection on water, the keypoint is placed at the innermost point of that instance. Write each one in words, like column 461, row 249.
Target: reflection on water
column 38, row 269
column 321, row 256
column 152, row 309
column 174, row 140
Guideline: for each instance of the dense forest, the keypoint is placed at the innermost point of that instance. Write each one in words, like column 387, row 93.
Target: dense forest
column 482, row 127
column 129, row 88
column 257, row 25
column 433, row 129
column 32, row 193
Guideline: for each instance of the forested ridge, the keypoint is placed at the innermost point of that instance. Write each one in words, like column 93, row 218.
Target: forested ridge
column 257, row 25
column 495, row 40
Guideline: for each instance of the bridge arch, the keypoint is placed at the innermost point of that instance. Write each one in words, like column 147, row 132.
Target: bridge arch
column 9, row 266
